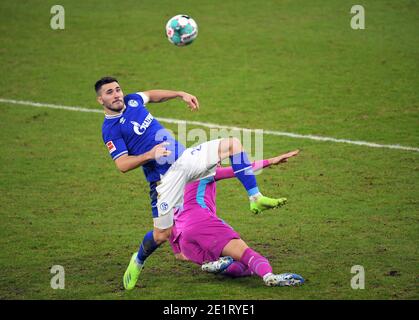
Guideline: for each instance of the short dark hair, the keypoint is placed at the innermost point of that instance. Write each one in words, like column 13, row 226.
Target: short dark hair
column 103, row 81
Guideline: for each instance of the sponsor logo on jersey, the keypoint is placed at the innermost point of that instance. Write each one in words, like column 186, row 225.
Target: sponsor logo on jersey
column 122, row 120
column 133, row 103
column 111, row 146
column 141, row 128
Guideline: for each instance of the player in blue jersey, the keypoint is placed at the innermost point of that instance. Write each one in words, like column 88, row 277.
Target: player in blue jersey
column 135, row 138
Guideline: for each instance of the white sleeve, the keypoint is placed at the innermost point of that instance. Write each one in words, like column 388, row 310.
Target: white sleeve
column 143, row 96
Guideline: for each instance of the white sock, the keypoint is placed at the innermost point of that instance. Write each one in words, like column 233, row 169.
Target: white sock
column 267, row 275
column 255, row 196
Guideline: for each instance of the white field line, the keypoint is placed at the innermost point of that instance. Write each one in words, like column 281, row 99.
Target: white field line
column 218, row 126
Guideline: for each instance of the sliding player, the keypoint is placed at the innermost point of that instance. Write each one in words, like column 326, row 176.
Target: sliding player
column 200, row 236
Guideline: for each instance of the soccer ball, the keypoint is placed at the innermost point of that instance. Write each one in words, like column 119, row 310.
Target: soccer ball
column 181, row 30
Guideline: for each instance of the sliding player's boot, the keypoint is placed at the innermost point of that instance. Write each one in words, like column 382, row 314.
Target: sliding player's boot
column 132, row 273
column 283, row 279
column 217, row 266
column 263, row 203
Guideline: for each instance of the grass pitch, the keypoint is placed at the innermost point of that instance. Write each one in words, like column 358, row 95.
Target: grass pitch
column 293, row 66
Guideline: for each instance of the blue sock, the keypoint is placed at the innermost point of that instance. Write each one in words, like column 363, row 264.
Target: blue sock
column 147, row 247
column 244, row 172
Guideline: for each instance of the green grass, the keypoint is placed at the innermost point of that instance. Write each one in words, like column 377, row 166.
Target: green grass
column 292, row 66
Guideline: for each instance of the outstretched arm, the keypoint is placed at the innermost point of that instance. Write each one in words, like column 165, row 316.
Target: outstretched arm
column 227, row 172
column 164, row 95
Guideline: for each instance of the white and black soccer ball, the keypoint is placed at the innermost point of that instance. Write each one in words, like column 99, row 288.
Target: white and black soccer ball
column 181, row 30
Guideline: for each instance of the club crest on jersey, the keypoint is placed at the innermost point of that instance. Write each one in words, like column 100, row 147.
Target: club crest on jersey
column 111, row 146
column 164, row 206
column 133, row 103
column 141, row 128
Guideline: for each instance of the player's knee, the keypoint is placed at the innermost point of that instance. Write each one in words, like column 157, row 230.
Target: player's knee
column 228, row 147
column 235, row 145
column 162, row 235
column 160, row 238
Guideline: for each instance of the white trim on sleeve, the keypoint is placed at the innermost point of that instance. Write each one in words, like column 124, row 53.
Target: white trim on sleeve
column 119, row 154
column 145, row 98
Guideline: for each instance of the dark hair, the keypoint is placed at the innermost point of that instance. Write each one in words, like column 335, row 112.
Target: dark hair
column 103, row 81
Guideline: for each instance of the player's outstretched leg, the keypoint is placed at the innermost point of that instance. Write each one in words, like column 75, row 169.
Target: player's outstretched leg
column 232, row 147
column 261, row 266
column 258, row 265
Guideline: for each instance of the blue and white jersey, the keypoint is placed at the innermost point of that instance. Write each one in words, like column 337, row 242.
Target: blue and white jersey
column 135, row 131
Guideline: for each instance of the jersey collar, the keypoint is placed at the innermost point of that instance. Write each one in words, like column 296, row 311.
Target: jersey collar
column 115, row 116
